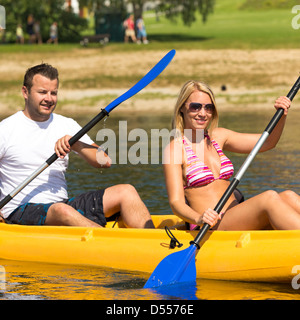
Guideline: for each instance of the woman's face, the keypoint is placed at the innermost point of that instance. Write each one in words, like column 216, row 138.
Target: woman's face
column 195, row 116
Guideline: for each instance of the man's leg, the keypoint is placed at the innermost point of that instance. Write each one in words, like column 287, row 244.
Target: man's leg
column 61, row 214
column 124, row 198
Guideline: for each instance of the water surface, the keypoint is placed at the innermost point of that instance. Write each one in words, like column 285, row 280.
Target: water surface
column 276, row 169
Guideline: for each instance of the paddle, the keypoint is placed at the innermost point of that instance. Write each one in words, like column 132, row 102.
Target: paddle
column 181, row 266
column 150, row 76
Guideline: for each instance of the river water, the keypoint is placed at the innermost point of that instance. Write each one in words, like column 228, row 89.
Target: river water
column 277, row 169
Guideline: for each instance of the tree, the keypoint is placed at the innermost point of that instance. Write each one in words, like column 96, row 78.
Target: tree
column 17, row 12
column 186, row 9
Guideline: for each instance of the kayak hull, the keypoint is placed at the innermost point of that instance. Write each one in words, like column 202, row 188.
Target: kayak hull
column 267, row 256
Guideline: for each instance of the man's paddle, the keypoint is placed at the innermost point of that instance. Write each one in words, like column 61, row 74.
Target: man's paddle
column 141, row 84
column 181, row 266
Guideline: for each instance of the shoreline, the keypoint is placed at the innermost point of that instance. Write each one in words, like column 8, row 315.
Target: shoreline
column 233, row 99
column 91, row 79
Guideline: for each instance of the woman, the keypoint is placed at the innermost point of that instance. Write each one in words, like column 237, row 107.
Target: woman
column 197, row 183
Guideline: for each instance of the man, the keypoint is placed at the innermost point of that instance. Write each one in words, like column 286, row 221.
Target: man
column 53, row 33
column 141, row 31
column 28, row 137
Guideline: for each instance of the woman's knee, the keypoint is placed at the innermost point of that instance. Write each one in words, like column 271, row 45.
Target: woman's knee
column 268, row 199
column 270, row 195
column 288, row 195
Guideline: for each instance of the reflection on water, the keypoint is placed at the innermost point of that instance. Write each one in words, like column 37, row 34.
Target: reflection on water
column 29, row 280
column 38, row 281
column 277, row 169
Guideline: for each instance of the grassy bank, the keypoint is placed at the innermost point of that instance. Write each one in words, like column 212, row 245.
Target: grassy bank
column 247, row 50
column 229, row 27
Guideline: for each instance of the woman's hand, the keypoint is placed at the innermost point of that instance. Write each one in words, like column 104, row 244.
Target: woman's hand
column 283, row 103
column 210, row 217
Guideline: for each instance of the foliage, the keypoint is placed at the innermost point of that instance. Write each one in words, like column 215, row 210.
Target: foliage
column 186, row 9
column 269, row 4
column 17, row 12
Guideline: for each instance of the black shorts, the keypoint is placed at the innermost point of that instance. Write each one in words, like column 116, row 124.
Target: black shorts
column 89, row 204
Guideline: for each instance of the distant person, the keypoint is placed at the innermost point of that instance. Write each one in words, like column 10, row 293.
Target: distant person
column 141, row 31
column 30, row 31
column 129, row 29
column 19, row 34
column 37, row 32
column 53, row 34
column 2, row 34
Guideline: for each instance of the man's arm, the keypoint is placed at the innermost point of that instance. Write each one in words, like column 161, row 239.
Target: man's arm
column 92, row 154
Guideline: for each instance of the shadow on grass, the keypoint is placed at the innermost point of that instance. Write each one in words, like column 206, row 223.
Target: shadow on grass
column 177, row 37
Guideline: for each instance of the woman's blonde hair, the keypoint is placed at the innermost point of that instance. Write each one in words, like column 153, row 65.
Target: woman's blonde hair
column 188, row 88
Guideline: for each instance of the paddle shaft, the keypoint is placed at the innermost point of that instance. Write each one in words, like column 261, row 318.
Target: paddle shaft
column 150, row 76
column 237, row 178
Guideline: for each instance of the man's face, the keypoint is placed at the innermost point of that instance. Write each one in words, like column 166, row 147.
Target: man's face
column 41, row 101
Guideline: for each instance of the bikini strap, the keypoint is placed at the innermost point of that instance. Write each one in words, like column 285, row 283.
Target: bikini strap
column 215, row 144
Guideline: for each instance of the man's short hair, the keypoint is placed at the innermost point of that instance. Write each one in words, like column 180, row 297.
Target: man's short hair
column 43, row 69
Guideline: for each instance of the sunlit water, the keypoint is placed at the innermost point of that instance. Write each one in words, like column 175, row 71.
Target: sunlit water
column 277, row 169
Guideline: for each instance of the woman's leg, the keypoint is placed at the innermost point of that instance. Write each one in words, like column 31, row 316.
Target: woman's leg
column 260, row 212
column 291, row 198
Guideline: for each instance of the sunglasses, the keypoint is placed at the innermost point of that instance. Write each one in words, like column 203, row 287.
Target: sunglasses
column 196, row 107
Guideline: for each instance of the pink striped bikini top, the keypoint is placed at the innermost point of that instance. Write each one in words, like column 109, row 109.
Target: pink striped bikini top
column 198, row 174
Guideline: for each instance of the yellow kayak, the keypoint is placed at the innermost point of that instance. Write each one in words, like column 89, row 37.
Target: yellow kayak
column 226, row 255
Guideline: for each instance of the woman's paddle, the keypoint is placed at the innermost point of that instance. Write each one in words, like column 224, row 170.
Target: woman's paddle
column 141, row 84
column 181, row 266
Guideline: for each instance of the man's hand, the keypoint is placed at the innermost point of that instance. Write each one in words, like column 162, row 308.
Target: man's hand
column 62, row 146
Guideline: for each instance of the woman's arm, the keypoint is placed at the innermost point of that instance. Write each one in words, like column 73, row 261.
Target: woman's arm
column 245, row 142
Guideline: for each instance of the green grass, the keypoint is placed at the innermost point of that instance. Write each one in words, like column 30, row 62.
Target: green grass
column 45, row 48
column 227, row 27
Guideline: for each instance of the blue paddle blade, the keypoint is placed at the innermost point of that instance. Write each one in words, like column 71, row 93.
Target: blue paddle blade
column 186, row 291
column 150, row 76
column 176, row 268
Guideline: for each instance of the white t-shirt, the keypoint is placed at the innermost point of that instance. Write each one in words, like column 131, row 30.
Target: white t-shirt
column 25, row 145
